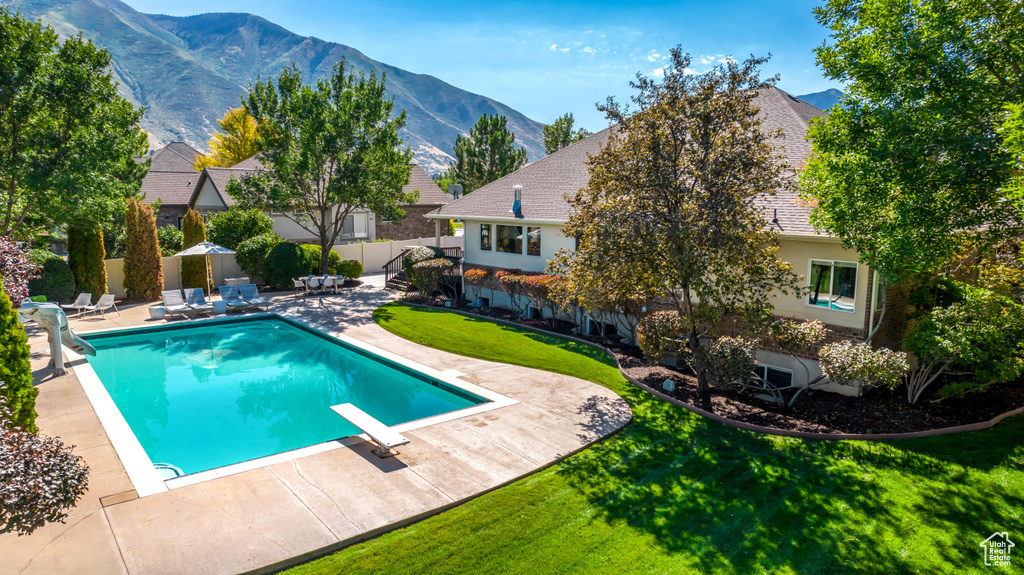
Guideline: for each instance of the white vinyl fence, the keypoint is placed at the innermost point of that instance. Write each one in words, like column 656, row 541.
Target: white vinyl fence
column 372, row 255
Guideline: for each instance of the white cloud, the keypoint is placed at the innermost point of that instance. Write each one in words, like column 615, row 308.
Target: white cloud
column 553, row 47
column 689, row 71
column 654, row 56
column 707, row 59
column 563, row 49
column 658, row 72
column 588, row 50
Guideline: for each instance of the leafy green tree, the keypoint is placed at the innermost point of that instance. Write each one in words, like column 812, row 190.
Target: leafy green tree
column 980, row 338
column 171, row 240
column 285, row 262
column 443, row 180
column 85, row 256
column 252, row 253
column 237, row 141
column 235, row 225
column 15, row 369
column 195, row 270
column 910, row 166
column 67, row 138
column 56, row 281
column 143, row 266
column 486, row 154
column 560, row 133
column 670, row 207
column 330, row 148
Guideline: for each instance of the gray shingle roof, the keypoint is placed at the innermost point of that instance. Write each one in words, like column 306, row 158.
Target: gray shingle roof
column 220, row 178
column 430, row 193
column 171, row 188
column 174, row 157
column 250, row 163
column 547, row 182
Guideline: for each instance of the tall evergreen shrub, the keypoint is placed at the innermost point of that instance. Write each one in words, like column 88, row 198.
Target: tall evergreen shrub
column 195, row 270
column 85, row 256
column 15, row 369
column 143, row 268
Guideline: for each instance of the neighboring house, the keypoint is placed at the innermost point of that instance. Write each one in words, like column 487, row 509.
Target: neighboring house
column 497, row 236
column 210, row 195
column 415, row 224
column 171, row 181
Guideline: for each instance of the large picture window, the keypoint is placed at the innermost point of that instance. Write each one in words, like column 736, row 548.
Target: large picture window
column 485, row 237
column 833, row 285
column 510, row 239
column 532, row 241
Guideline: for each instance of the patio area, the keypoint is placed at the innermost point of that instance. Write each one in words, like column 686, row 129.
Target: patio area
column 272, row 516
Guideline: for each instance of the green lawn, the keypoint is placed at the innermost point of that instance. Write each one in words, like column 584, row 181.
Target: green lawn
column 676, row 493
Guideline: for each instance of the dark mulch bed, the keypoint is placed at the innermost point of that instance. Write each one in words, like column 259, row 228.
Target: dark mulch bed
column 879, row 410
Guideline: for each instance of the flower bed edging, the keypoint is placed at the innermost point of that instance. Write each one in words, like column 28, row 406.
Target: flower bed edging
column 980, row 426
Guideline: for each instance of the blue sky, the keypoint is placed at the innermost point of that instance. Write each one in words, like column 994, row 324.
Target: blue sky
column 548, row 58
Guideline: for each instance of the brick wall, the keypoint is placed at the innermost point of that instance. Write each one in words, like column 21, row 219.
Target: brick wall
column 168, row 215
column 415, row 225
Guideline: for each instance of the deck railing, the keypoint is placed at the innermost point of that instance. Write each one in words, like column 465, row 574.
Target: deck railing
column 395, row 266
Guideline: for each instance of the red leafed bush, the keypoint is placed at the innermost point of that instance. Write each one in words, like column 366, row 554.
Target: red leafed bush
column 15, row 269
column 40, row 478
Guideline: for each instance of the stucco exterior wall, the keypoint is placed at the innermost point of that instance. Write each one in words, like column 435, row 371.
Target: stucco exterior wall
column 799, row 252
column 552, row 240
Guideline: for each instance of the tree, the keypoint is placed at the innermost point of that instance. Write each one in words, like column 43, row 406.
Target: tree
column 329, row 149
column 195, row 270
column 40, row 478
column 237, row 141
column 253, row 252
column 16, row 268
column 18, row 395
column 85, row 256
column 910, row 166
column 235, row 225
column 143, row 266
column 669, row 209
column 560, row 134
column 486, row 154
column 67, row 138
column 170, row 238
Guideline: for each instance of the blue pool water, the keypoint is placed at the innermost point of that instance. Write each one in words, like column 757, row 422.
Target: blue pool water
column 207, row 395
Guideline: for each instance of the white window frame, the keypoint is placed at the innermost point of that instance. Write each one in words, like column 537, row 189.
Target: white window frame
column 831, row 280
column 766, row 367
column 540, row 240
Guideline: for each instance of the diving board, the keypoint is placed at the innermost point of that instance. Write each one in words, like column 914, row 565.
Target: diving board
column 386, row 438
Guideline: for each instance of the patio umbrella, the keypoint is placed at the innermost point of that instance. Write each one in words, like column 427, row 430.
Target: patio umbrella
column 202, row 249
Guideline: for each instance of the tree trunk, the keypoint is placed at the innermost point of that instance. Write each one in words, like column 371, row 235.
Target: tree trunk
column 325, row 257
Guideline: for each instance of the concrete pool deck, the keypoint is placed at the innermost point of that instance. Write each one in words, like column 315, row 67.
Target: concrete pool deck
column 293, row 510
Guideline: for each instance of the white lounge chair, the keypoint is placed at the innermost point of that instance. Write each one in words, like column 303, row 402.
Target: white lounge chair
column 301, row 286
column 174, row 303
column 196, row 299
column 330, row 282
column 386, row 438
column 230, row 296
column 314, row 283
column 83, row 302
column 251, row 295
column 106, row 302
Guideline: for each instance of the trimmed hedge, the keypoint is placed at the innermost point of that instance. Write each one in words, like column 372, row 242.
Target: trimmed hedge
column 194, row 269
column 143, row 266
column 333, row 259
column 419, row 254
column 56, row 280
column 351, row 269
column 85, row 256
column 284, row 262
column 251, row 254
column 15, row 370
column 428, row 274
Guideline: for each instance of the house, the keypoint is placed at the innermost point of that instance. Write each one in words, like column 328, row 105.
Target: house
column 170, row 181
column 515, row 222
column 210, row 195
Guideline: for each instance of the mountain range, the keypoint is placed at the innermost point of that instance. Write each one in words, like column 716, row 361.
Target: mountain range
column 187, row 71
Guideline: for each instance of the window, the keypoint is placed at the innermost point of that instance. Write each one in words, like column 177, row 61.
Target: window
column 348, row 227
column 775, row 376
column 833, row 285
column 510, row 239
column 485, row 237
column 179, row 222
column 532, row 241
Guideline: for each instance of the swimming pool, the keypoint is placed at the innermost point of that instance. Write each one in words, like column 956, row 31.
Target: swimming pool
column 204, row 395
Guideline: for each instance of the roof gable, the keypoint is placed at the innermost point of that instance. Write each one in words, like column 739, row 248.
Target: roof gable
column 547, row 183
column 430, row 193
column 170, row 188
column 174, row 157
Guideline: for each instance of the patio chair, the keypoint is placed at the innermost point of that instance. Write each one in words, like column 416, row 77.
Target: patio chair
column 314, row 283
column 106, row 302
column 84, row 301
column 174, row 303
column 300, row 285
column 251, row 295
column 230, row 295
column 330, row 282
column 196, row 299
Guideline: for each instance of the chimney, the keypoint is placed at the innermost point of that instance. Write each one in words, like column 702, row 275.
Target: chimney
column 517, row 197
